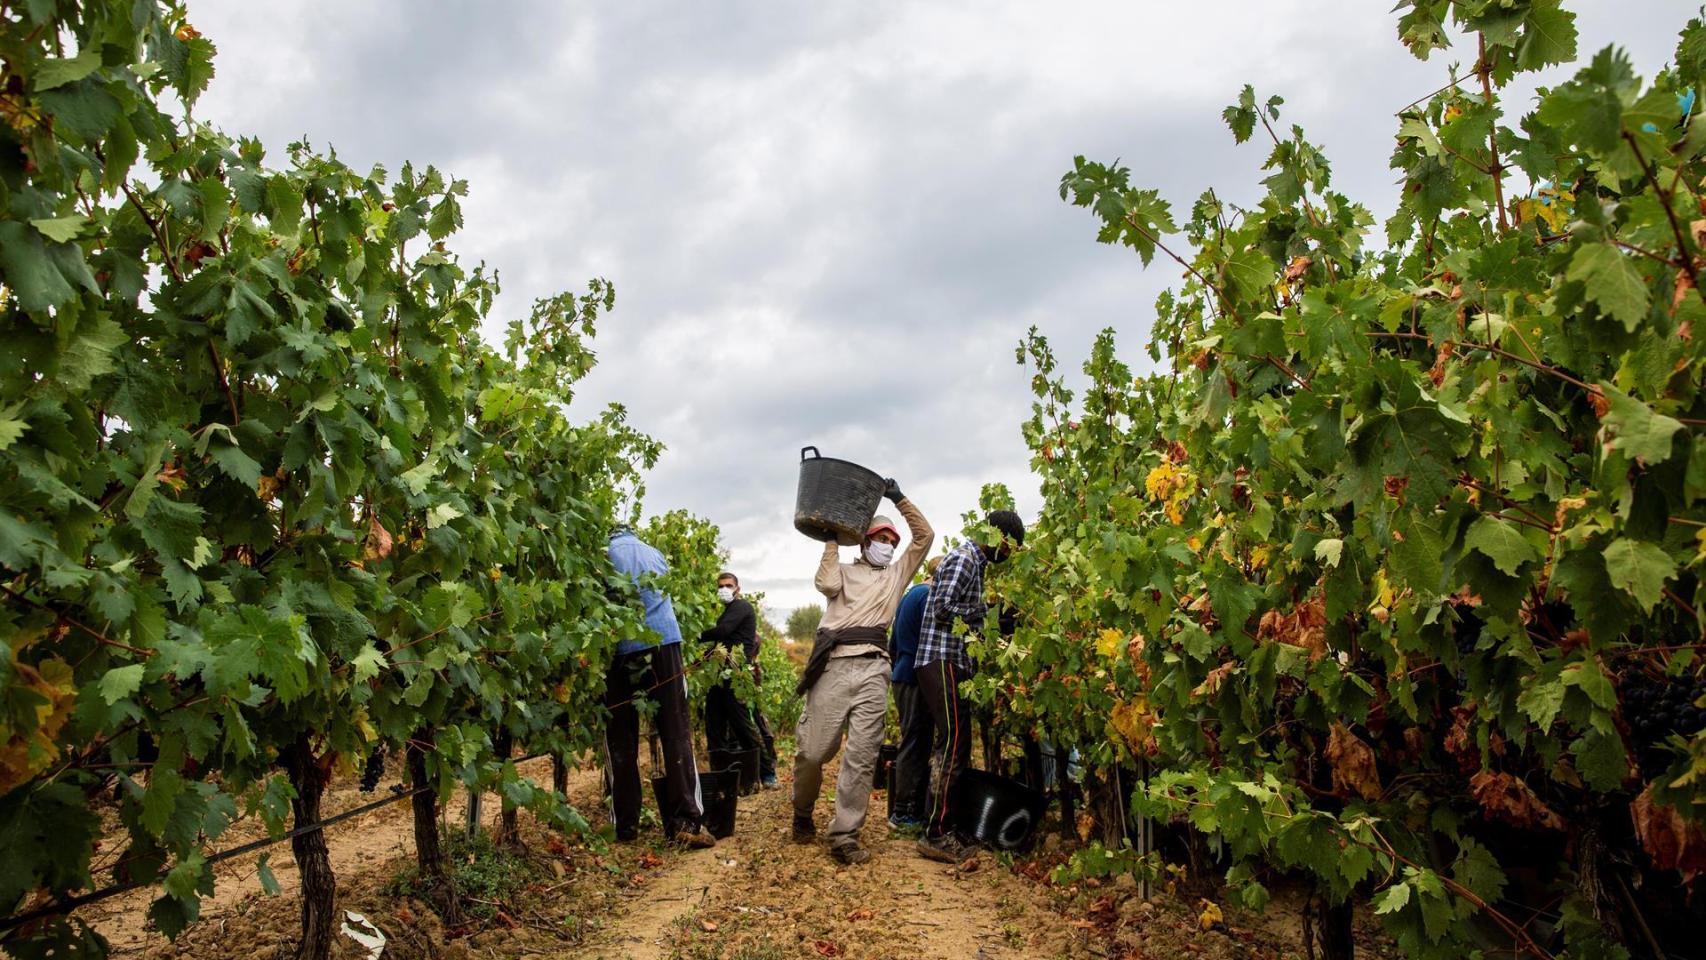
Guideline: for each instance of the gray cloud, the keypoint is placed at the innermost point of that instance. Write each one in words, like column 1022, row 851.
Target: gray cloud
column 827, row 223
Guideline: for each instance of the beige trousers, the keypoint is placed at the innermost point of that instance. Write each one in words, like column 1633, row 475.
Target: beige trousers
column 852, row 695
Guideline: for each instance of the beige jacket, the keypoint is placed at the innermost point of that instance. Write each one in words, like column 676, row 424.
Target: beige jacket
column 860, row 595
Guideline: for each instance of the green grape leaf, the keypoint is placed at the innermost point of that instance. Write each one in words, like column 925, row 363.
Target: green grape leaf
column 1612, row 282
column 12, row 426
column 1392, row 899
column 1636, row 429
column 54, row 73
column 120, row 683
column 1548, row 36
column 269, row 882
column 1541, row 701
column 1641, row 568
column 1501, row 542
column 1601, row 760
column 61, row 229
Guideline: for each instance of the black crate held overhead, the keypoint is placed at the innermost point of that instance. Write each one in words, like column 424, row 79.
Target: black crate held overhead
column 836, row 498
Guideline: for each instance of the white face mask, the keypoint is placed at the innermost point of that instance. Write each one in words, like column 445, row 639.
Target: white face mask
column 726, row 594
column 878, row 553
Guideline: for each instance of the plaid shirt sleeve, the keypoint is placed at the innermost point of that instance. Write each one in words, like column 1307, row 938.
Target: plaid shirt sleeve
column 957, row 594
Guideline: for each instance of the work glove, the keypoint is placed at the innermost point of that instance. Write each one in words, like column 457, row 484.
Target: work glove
column 892, row 490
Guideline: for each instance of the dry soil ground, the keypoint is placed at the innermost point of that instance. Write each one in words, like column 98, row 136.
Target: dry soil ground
column 756, row 896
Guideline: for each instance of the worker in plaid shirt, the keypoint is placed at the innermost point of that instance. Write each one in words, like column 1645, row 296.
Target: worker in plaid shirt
column 955, row 608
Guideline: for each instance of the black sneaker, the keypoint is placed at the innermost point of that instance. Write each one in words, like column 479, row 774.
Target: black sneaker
column 946, row 848
column 849, row 852
column 805, row 831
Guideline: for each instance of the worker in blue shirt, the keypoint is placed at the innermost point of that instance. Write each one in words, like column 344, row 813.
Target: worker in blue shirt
column 917, row 728
column 652, row 669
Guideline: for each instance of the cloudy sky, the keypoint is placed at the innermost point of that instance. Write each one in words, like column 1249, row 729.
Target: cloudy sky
column 828, row 223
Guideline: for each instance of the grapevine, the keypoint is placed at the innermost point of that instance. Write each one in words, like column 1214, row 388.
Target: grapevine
column 1390, row 577
column 269, row 504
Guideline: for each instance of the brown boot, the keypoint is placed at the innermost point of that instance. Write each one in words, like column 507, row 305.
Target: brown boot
column 695, row 837
column 850, row 853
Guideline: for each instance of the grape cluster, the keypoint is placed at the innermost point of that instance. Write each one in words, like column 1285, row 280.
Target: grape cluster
column 374, row 770
column 1655, row 708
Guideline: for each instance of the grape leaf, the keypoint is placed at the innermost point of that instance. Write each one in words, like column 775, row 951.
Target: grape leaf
column 121, row 682
column 1636, row 429
column 61, row 229
column 1639, row 567
column 58, row 72
column 1393, row 899
column 1612, row 282
column 1501, row 542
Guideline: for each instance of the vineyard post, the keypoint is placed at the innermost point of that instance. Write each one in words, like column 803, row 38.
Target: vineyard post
column 509, row 830
column 471, row 821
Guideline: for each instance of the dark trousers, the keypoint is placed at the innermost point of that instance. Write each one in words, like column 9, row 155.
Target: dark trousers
column 766, row 753
column 912, row 760
column 939, row 688
column 728, row 722
column 658, row 675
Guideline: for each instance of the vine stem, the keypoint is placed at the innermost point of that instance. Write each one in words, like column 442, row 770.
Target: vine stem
column 172, row 268
column 1484, row 67
column 1498, row 351
column 1226, row 301
column 1303, row 193
column 1159, row 245
column 1684, row 260
column 72, row 621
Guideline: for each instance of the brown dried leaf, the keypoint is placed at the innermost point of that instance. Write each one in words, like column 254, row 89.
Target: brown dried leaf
column 1086, row 827
column 1352, row 762
column 861, row 914
column 379, row 541
column 1211, row 684
column 1673, row 842
column 1305, row 627
column 1510, row 799
column 1601, row 403
column 827, row 948
column 1295, row 270
column 709, row 926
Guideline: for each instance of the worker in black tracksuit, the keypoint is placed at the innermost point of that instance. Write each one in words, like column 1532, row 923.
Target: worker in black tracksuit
column 728, row 722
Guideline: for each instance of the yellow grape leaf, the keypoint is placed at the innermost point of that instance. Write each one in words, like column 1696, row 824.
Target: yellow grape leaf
column 1210, row 915
column 1108, row 642
column 27, row 751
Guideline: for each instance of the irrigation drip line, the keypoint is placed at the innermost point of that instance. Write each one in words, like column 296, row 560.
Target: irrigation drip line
column 83, row 900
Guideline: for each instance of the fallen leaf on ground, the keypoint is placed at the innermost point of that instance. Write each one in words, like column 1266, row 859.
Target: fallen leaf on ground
column 650, row 860
column 1210, row 915
column 709, row 926
column 827, row 948
column 863, row 913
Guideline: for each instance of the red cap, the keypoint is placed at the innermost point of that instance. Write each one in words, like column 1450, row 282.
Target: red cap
column 880, row 523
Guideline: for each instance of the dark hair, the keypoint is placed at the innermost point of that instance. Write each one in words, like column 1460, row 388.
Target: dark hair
column 1008, row 523
column 727, row 575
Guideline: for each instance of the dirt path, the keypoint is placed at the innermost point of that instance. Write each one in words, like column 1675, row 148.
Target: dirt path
column 758, row 896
